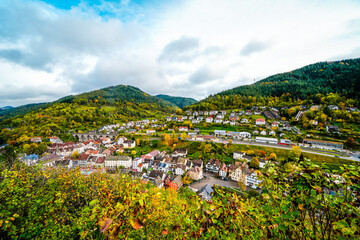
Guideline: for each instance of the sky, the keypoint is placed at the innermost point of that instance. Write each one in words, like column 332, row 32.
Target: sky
column 190, row 48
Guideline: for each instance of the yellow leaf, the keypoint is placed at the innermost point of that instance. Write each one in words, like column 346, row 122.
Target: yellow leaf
column 301, row 207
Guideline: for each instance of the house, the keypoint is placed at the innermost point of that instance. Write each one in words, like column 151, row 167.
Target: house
column 239, row 172
column 205, row 192
column 244, row 120
column 220, row 116
column 272, row 133
column 332, row 129
column 195, row 173
column 299, row 115
column 153, row 154
column 183, row 128
column 248, row 112
column 209, row 120
column 252, row 180
column 219, row 132
column 314, row 122
column 218, row 120
column 333, row 107
column 198, row 163
column 126, row 143
column 35, row 139
column 263, row 132
column 30, row 160
column 179, row 152
column 180, row 169
column 238, row 155
column 113, row 162
column 55, row 139
column 168, row 119
column 244, row 135
column 163, row 167
column 255, row 132
column 139, row 167
column 213, row 165
column 150, row 131
column 223, row 171
column 275, row 124
column 156, row 173
column 260, row 121
column 174, row 182
column 199, row 118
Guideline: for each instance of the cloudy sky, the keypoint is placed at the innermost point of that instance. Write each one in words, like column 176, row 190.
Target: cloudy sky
column 193, row 48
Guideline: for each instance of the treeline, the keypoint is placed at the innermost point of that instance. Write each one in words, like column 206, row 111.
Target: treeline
column 299, row 200
column 341, row 77
column 237, row 101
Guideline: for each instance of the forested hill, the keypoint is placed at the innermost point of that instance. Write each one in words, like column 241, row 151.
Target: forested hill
column 340, row 77
column 105, row 96
column 82, row 112
column 178, row 101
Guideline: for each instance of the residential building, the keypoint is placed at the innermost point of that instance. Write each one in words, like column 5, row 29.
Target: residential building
column 209, row 119
column 205, row 192
column 118, row 161
column 183, row 128
column 260, row 121
column 180, row 169
column 174, row 182
column 195, row 173
column 238, row 155
column 223, row 171
column 213, row 165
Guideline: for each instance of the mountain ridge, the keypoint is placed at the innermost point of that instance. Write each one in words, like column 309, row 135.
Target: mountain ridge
column 181, row 102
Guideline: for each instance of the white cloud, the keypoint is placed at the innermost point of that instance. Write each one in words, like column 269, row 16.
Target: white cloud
column 192, row 48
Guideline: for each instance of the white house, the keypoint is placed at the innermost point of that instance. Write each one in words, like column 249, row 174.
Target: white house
column 252, row 180
column 238, row 155
column 117, row 161
column 223, row 171
column 136, row 162
column 209, row 119
column 180, row 169
column 260, row 121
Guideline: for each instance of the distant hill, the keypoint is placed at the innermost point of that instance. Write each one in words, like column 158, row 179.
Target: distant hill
column 108, row 95
column 7, row 107
column 84, row 112
column 178, row 101
column 340, row 77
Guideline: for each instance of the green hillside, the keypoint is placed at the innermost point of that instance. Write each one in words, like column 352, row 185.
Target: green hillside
column 178, row 101
column 340, row 77
column 108, row 96
column 82, row 112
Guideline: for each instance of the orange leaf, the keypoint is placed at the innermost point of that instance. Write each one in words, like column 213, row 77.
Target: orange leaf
column 136, row 224
column 106, row 225
column 164, row 232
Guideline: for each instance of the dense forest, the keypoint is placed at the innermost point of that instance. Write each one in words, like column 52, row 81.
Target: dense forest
column 84, row 112
column 181, row 102
column 308, row 84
